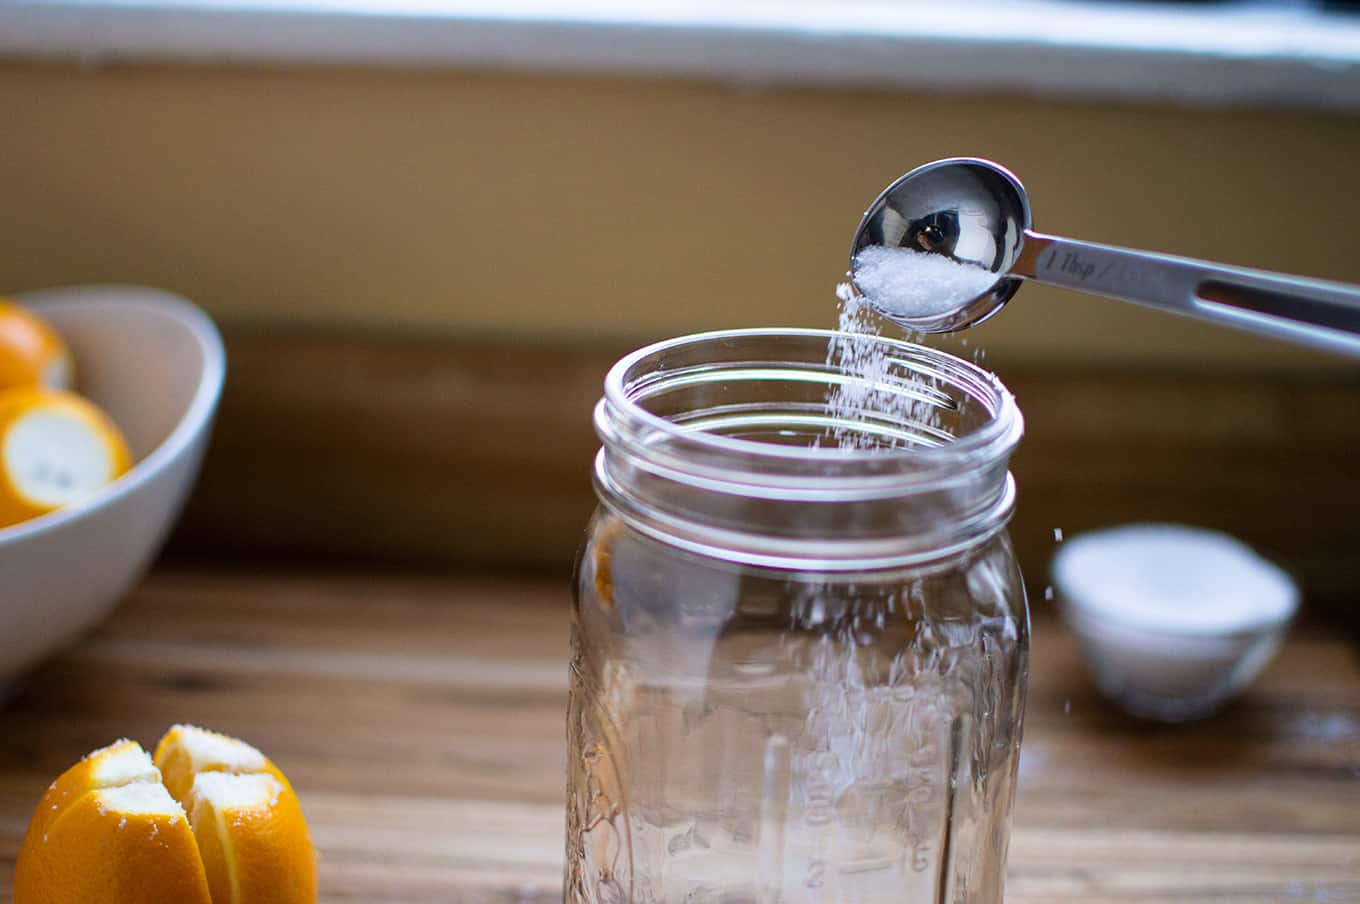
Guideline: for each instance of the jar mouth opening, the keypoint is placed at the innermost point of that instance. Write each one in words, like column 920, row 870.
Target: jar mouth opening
column 733, row 445
column 980, row 423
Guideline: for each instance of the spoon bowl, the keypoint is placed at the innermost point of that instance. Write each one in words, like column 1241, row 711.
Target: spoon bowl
column 969, row 210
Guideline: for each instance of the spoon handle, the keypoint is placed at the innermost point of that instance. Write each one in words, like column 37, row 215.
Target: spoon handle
column 1308, row 311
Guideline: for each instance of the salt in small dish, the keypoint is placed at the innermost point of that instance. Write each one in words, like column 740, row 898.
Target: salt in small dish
column 1173, row 621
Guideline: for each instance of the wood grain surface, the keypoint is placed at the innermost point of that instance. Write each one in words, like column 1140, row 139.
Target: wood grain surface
column 477, row 450
column 421, row 719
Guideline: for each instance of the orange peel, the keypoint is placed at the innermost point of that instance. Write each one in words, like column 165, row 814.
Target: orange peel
column 56, row 449
column 31, row 351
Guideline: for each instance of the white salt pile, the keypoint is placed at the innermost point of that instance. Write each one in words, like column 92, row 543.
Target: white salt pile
column 908, row 285
column 1170, row 578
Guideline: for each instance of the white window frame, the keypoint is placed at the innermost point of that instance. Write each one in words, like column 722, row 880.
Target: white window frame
column 1247, row 53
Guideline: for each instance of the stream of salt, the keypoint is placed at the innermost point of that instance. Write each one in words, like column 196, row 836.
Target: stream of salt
column 905, row 286
column 872, row 385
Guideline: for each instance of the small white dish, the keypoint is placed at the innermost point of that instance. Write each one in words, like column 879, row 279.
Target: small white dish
column 1173, row 621
column 155, row 363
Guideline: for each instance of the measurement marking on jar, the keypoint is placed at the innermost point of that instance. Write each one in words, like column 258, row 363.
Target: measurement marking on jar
column 774, row 814
column 820, row 813
column 920, row 856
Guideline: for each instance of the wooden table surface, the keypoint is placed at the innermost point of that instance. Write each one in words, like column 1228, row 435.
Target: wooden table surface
column 422, row 721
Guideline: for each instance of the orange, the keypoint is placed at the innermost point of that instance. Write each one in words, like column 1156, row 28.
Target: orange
column 55, row 449
column 107, row 830
column 110, row 830
column 246, row 817
column 31, row 352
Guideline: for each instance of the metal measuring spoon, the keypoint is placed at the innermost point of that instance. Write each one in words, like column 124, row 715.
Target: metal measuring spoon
column 976, row 212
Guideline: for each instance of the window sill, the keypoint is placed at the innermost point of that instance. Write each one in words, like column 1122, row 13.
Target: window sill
column 1212, row 55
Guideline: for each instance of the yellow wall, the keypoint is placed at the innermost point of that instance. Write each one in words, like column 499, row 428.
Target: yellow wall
column 586, row 205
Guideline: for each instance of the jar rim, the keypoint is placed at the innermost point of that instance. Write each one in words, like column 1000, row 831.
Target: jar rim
column 998, row 436
column 826, row 508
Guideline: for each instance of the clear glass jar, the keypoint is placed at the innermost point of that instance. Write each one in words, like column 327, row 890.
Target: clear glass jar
column 798, row 670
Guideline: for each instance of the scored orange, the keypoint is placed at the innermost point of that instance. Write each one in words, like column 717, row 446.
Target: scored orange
column 31, row 352
column 209, row 821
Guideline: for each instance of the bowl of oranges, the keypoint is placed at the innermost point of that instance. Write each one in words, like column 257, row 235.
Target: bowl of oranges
column 107, row 395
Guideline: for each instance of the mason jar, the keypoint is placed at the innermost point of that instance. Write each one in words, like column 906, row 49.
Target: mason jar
column 800, row 636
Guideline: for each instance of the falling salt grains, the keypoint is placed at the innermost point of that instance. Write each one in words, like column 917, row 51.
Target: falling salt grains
column 872, row 390
column 1057, row 535
column 852, row 350
column 1048, row 593
column 906, row 285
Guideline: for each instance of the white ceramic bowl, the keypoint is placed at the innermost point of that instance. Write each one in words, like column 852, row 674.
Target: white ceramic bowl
column 155, row 363
column 1173, row 621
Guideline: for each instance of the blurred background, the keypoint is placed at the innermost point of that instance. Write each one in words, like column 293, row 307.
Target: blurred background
column 427, row 228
